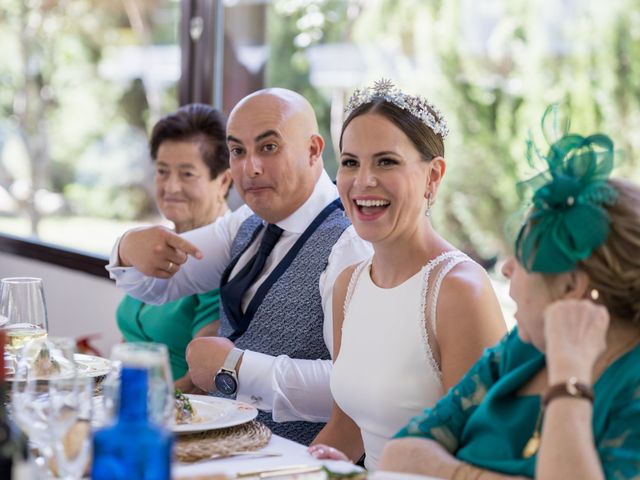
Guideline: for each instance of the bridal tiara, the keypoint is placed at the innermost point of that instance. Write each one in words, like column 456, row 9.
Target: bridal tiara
column 418, row 106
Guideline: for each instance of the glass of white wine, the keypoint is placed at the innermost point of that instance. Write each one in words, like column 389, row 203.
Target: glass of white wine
column 23, row 312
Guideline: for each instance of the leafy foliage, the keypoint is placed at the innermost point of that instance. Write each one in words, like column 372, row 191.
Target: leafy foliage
column 492, row 68
column 61, row 109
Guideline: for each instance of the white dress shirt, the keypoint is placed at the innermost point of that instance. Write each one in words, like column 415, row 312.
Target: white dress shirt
column 293, row 389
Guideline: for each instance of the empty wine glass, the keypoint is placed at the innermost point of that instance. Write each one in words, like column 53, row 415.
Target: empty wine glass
column 43, row 366
column 23, row 313
column 155, row 358
column 71, row 413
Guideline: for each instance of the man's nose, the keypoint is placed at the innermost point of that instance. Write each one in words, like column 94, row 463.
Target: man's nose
column 253, row 165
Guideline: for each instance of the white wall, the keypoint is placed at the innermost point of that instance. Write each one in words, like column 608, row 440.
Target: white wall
column 78, row 304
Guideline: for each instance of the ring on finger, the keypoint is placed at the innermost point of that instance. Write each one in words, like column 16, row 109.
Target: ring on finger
column 170, row 266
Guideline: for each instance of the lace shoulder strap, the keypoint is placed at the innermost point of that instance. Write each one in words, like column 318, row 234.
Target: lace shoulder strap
column 450, row 260
column 352, row 285
column 428, row 338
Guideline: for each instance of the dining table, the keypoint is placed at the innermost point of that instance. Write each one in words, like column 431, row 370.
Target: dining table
column 280, row 459
column 279, row 453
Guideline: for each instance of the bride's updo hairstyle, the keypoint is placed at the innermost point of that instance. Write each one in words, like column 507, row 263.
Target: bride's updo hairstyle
column 420, row 120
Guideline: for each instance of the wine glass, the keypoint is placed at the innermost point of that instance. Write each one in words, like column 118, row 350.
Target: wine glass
column 23, row 313
column 44, row 366
column 71, row 414
column 155, row 358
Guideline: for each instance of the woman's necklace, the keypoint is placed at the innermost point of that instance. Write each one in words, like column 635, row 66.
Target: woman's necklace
column 533, row 444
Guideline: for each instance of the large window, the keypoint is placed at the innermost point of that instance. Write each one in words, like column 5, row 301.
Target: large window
column 85, row 80
column 82, row 81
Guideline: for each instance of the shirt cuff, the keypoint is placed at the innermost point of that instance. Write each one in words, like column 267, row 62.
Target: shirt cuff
column 254, row 380
column 122, row 275
column 113, row 265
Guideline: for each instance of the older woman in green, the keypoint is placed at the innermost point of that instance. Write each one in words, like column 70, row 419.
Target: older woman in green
column 559, row 397
column 192, row 180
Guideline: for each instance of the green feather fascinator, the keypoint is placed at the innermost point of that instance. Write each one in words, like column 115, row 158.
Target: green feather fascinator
column 567, row 220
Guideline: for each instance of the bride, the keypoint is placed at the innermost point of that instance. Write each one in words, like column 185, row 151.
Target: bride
column 412, row 319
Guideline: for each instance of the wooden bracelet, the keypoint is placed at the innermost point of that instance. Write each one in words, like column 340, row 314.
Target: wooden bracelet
column 571, row 388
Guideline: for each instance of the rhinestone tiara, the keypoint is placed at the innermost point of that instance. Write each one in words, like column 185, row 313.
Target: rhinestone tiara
column 416, row 105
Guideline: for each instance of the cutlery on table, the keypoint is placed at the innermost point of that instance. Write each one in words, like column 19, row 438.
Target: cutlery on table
column 280, row 471
column 244, row 453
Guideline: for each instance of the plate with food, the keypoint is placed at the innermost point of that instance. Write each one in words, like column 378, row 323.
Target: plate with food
column 196, row 413
column 91, row 366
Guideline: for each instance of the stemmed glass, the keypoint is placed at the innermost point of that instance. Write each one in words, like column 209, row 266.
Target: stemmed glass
column 71, row 413
column 23, row 313
column 45, row 368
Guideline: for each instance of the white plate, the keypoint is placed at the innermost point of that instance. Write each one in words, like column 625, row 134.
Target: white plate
column 215, row 412
column 92, row 366
column 88, row 366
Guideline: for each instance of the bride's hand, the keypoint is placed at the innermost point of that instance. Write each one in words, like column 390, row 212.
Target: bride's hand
column 325, row 452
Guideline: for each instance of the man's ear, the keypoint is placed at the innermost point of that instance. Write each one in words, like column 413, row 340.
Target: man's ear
column 576, row 284
column 316, row 146
column 225, row 183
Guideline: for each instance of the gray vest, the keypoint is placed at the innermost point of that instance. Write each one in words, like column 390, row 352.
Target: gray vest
column 288, row 316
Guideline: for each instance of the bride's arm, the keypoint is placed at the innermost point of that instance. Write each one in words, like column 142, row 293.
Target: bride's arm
column 468, row 320
column 340, row 432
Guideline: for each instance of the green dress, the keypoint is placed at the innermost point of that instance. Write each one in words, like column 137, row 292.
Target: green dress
column 484, row 421
column 174, row 323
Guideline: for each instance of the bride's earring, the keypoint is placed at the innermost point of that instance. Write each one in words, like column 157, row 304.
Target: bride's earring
column 427, row 212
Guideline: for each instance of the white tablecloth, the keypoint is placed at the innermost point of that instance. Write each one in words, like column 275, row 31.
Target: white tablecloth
column 292, row 454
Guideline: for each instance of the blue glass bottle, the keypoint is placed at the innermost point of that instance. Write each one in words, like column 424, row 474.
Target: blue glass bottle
column 133, row 448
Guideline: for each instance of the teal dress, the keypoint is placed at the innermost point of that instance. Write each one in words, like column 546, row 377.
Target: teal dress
column 174, row 323
column 484, row 421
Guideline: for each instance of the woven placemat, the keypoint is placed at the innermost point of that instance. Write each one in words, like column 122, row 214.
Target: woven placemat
column 222, row 442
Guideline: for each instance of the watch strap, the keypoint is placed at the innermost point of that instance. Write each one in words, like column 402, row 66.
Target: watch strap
column 232, row 359
column 571, row 388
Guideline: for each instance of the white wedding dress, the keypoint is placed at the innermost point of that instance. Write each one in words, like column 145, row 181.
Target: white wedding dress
column 386, row 371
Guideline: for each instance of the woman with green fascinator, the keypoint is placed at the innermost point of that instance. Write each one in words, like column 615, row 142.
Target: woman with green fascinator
column 558, row 397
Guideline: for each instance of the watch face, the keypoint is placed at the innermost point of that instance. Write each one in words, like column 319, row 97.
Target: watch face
column 225, row 383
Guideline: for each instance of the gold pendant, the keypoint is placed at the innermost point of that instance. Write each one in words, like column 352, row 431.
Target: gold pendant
column 532, row 445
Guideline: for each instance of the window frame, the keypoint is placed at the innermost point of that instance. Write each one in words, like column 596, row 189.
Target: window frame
column 200, row 81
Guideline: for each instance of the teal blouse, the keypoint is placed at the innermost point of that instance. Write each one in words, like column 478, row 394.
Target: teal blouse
column 174, row 323
column 486, row 423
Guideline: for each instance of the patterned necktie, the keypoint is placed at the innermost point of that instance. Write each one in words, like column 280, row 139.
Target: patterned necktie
column 232, row 292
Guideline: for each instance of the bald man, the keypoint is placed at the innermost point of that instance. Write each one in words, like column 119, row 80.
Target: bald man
column 275, row 331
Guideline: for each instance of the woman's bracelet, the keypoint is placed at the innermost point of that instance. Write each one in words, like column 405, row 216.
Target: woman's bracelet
column 571, row 388
column 464, row 471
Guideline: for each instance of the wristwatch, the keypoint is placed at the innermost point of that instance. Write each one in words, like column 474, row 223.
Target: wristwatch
column 226, row 380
